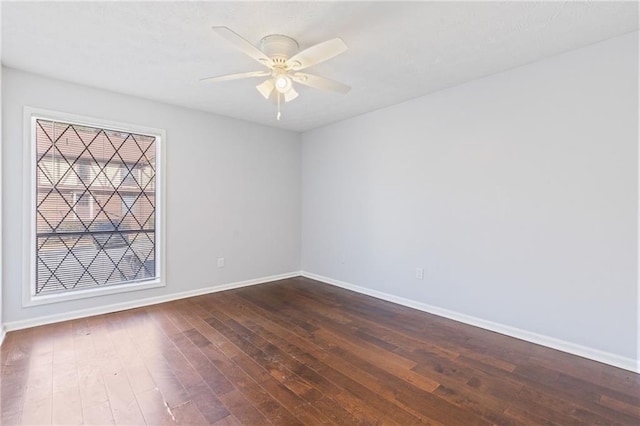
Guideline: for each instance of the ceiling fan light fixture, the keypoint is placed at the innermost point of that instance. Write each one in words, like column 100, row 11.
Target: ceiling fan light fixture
column 265, row 88
column 283, row 83
column 290, row 95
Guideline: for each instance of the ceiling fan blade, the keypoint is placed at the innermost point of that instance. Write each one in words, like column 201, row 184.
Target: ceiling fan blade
column 320, row 82
column 242, row 44
column 317, row 53
column 237, row 76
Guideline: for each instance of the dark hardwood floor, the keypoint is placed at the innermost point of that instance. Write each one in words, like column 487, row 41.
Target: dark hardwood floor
column 298, row 352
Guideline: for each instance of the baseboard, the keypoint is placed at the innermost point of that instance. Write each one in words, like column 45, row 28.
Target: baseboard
column 540, row 339
column 83, row 313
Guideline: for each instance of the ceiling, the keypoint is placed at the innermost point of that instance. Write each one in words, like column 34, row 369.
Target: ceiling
column 397, row 50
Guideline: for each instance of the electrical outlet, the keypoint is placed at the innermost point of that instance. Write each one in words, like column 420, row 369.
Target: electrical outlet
column 419, row 273
column 221, row 262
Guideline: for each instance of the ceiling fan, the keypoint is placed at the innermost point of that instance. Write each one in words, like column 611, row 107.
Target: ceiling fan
column 281, row 56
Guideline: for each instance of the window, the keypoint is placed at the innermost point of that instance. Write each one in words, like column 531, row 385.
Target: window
column 82, row 205
column 128, row 204
column 95, row 207
column 83, row 169
column 129, row 175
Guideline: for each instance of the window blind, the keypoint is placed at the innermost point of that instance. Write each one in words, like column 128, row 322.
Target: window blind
column 95, row 207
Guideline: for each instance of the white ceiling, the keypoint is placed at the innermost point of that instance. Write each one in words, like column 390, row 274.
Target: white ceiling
column 397, row 50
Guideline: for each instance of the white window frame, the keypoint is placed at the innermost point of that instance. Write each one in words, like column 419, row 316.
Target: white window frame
column 29, row 296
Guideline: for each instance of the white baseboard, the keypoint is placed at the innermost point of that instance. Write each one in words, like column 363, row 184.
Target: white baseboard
column 82, row 313
column 551, row 342
column 540, row 339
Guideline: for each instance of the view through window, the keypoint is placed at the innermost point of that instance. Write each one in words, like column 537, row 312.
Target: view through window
column 95, row 207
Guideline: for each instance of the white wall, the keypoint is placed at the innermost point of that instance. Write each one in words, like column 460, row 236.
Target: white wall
column 2, row 329
column 517, row 193
column 233, row 191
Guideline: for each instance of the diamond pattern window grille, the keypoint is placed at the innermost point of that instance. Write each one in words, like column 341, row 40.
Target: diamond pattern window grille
column 95, row 207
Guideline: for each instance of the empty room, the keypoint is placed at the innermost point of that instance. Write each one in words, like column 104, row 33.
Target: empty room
column 305, row 213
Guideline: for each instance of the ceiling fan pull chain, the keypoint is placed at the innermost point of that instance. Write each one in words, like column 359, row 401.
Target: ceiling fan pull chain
column 278, row 115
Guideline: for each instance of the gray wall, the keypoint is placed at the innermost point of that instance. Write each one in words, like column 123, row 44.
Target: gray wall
column 2, row 328
column 517, row 193
column 232, row 188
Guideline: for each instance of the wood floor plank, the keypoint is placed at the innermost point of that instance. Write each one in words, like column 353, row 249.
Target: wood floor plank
column 151, row 403
column 264, row 369
column 238, row 369
column 311, row 367
column 298, row 352
column 209, row 404
column 67, row 407
column 124, row 405
column 98, row 414
column 37, row 411
column 402, row 390
column 632, row 409
column 242, row 409
column 302, row 382
column 355, row 376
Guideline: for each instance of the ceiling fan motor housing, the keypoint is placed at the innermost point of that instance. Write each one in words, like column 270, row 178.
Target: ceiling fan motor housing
column 279, row 47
